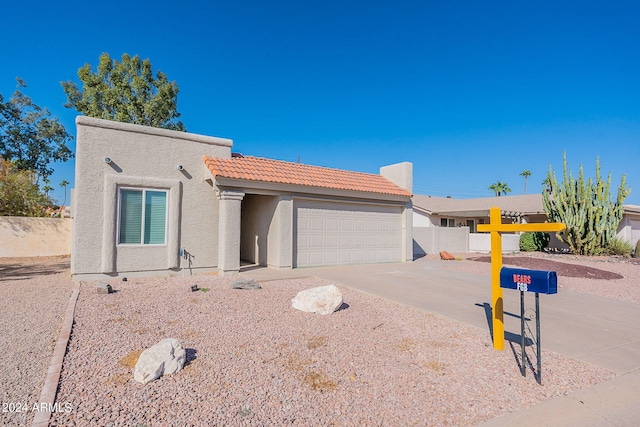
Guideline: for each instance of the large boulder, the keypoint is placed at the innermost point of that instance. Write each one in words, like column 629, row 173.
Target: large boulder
column 166, row 357
column 323, row 300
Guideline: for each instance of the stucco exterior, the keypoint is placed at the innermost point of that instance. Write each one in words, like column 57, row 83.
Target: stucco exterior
column 143, row 157
column 212, row 220
column 400, row 174
column 481, row 242
column 432, row 240
column 266, row 230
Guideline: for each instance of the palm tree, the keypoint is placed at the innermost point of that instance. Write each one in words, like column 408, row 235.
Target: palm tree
column 47, row 188
column 505, row 188
column 526, row 174
column 64, row 184
column 494, row 187
column 500, row 187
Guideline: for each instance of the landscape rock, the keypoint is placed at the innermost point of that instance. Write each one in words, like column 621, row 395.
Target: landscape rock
column 166, row 357
column 193, row 287
column 322, row 300
column 447, row 256
column 104, row 288
column 245, row 284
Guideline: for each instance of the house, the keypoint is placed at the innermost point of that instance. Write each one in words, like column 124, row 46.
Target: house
column 448, row 212
column 444, row 223
column 629, row 228
column 156, row 201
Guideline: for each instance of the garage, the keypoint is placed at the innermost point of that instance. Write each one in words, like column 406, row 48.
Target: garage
column 290, row 215
column 333, row 233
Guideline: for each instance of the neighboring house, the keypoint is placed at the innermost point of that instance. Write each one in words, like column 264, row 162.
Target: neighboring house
column 629, row 228
column 448, row 212
column 466, row 214
column 156, row 201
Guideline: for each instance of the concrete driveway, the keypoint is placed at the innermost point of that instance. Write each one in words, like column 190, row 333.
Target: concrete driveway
column 601, row 331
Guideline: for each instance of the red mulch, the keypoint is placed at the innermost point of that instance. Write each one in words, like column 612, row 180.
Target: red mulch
column 561, row 268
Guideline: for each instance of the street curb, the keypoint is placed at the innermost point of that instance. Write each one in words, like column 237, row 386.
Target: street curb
column 48, row 393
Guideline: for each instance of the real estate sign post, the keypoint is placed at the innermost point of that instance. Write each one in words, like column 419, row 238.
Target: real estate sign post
column 496, row 227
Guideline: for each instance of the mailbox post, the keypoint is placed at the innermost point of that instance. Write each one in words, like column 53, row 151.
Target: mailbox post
column 540, row 282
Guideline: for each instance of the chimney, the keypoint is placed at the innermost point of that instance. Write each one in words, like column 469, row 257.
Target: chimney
column 401, row 174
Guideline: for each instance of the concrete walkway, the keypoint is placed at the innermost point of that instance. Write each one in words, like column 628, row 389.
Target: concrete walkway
column 601, row 331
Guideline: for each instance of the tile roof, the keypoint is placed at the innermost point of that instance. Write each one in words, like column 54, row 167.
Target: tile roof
column 277, row 171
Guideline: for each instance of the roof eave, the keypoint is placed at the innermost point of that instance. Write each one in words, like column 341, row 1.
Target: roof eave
column 249, row 185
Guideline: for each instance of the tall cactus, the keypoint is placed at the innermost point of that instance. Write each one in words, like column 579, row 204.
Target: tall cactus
column 585, row 207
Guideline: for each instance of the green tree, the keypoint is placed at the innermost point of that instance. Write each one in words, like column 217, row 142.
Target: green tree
column 526, row 174
column 125, row 91
column 19, row 192
column 585, row 207
column 499, row 188
column 64, row 184
column 29, row 137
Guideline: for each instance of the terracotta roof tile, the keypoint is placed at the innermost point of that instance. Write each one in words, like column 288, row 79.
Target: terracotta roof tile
column 277, row 171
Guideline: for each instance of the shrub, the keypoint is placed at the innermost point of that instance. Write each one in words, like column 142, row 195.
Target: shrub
column 637, row 253
column 619, row 246
column 530, row 242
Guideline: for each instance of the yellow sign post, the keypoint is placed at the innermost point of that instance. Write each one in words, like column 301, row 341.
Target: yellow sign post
column 496, row 227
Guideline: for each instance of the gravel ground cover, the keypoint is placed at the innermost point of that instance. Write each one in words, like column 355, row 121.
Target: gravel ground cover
column 34, row 293
column 254, row 360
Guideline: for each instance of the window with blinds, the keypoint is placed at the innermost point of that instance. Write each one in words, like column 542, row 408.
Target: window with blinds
column 142, row 217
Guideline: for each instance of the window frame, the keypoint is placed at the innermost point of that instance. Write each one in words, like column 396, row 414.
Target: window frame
column 143, row 190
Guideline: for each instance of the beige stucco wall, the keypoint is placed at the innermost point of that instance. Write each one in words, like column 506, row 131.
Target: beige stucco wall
column 266, row 230
column 28, row 237
column 401, row 174
column 422, row 220
column 280, row 244
column 432, row 240
column 143, row 157
column 481, row 242
column 257, row 216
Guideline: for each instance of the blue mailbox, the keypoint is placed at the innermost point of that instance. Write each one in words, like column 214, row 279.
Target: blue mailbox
column 538, row 281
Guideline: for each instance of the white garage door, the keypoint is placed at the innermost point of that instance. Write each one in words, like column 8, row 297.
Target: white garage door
column 330, row 233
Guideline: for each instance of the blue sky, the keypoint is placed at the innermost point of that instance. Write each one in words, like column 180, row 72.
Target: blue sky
column 470, row 92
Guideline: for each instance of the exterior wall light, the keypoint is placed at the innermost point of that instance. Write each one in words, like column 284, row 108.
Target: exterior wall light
column 107, row 160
